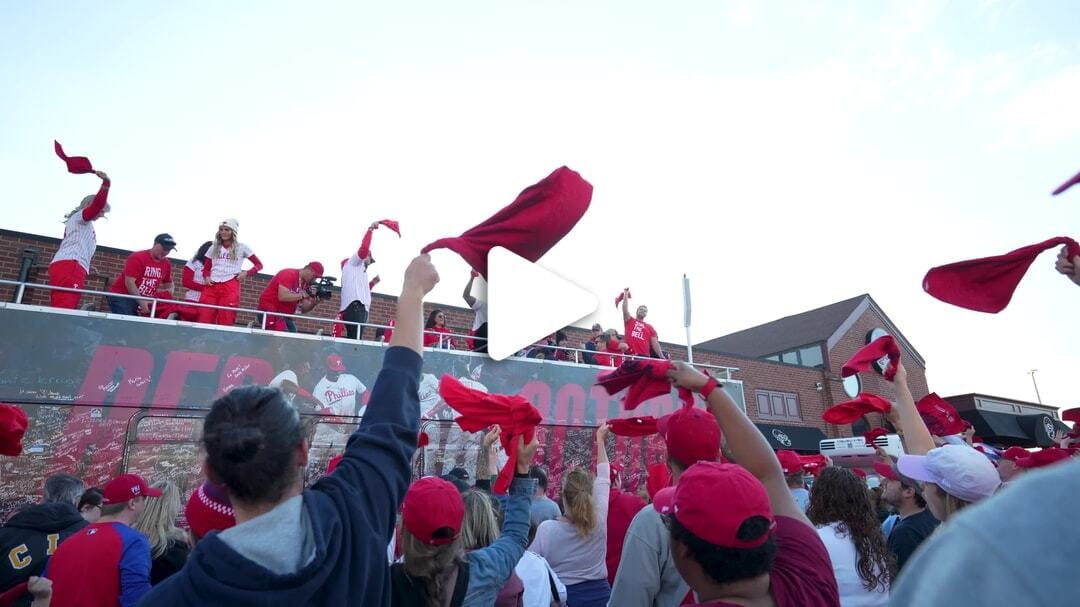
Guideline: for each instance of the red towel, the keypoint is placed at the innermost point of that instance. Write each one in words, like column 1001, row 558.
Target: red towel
column 865, row 357
column 645, row 379
column 1071, row 415
column 75, row 164
column 873, row 434
column 939, row 416
column 633, row 426
column 393, row 225
column 538, row 219
column 13, row 424
column 619, row 298
column 479, row 410
column 849, row 411
column 987, row 284
column 659, row 476
column 1068, row 184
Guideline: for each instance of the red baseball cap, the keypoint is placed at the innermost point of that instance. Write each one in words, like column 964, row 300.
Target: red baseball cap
column 790, row 462
column 126, row 487
column 886, row 471
column 940, row 417
column 692, row 435
column 432, row 504
column 712, row 500
column 1015, row 453
column 334, row 363
column 664, row 500
column 316, row 267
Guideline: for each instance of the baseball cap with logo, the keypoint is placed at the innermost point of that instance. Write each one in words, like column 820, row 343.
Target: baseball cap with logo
column 959, row 470
column 664, row 500
column 166, row 241
column 713, row 500
column 126, row 487
column 433, row 511
column 334, row 363
column 316, row 267
column 691, row 435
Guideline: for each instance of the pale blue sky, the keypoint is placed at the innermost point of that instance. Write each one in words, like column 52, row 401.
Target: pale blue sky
column 783, row 154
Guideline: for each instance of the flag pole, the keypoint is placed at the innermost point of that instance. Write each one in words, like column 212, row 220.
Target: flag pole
column 686, row 319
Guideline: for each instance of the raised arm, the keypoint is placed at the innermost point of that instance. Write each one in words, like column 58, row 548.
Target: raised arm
column 917, row 438
column 100, row 199
column 602, row 484
column 365, row 244
column 625, row 305
column 467, row 294
column 744, row 440
column 1064, row 265
column 503, row 554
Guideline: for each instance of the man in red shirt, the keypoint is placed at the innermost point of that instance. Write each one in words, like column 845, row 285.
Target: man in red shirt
column 147, row 274
column 737, row 535
column 108, row 562
column 287, row 293
column 640, row 335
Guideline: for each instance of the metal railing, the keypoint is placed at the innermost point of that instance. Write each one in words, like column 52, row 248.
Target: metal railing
column 578, row 354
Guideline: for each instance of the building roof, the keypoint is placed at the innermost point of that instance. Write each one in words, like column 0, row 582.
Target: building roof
column 813, row 326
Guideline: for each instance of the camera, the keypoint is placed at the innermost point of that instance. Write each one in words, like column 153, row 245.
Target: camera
column 321, row 288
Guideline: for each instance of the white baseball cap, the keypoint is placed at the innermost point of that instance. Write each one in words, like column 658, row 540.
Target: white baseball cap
column 231, row 223
column 960, row 471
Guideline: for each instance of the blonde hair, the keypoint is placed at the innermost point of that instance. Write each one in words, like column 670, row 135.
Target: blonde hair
column 214, row 250
column 480, row 527
column 577, row 500
column 85, row 203
column 950, row 504
column 432, row 566
column 158, row 520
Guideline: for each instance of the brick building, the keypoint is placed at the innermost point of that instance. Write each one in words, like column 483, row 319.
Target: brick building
column 789, row 368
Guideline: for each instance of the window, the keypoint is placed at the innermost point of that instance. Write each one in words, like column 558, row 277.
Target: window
column 792, row 357
column 778, row 405
column 806, row 356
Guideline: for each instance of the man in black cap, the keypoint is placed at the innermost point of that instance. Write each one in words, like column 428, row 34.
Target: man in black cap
column 148, row 274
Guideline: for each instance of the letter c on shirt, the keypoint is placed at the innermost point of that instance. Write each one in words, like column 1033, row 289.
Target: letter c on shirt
column 19, row 557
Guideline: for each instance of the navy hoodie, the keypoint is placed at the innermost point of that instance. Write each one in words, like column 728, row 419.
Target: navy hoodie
column 30, row 537
column 352, row 514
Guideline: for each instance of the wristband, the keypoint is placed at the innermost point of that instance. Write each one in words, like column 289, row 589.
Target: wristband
column 707, row 389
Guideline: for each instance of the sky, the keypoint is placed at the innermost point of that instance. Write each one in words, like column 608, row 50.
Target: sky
column 784, row 155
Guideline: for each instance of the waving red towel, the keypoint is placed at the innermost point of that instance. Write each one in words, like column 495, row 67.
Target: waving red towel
column 1071, row 415
column 812, row 463
column 13, row 425
column 538, row 219
column 873, row 434
column 987, row 284
column 1068, row 184
column 939, row 416
column 75, row 164
column 633, row 426
column 847, row 412
column 619, row 298
column 393, row 225
column 645, row 379
column 479, row 410
column 865, row 357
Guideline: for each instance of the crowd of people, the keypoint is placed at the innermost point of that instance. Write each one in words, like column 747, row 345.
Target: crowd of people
column 725, row 521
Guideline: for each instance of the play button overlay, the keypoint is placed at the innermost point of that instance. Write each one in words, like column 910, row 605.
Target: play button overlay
column 526, row 303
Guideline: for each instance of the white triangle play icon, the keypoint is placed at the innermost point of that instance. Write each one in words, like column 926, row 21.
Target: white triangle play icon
column 527, row 303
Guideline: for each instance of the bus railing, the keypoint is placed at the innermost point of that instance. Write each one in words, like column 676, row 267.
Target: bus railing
column 578, row 354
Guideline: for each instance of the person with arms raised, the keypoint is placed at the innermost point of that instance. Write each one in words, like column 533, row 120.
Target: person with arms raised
column 71, row 262
column 325, row 545
column 640, row 336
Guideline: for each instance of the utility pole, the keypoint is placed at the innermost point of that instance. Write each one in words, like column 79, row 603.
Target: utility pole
column 1034, row 383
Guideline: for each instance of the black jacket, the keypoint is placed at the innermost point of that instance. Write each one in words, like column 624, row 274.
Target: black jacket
column 30, row 537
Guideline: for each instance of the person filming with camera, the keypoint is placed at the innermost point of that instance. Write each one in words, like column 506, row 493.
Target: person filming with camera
column 290, row 292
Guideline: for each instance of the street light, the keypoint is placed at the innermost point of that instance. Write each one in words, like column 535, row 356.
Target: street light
column 1034, row 383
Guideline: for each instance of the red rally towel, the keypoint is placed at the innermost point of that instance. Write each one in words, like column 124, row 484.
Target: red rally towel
column 13, row 425
column 873, row 434
column 847, row 412
column 393, row 225
column 1068, row 184
column 987, row 284
column 863, row 359
column 1071, row 415
column 645, row 379
column 619, row 298
column 940, row 417
column 479, row 410
column 75, row 164
column 633, row 426
column 538, row 219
